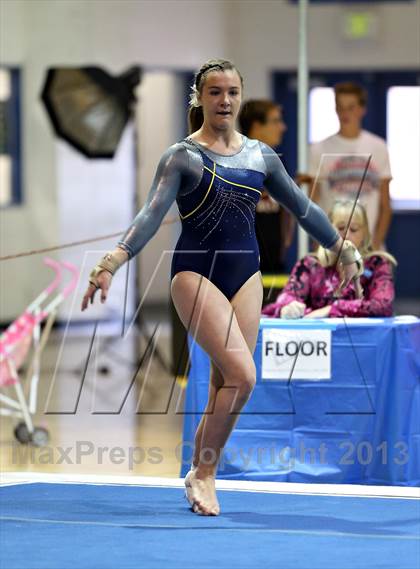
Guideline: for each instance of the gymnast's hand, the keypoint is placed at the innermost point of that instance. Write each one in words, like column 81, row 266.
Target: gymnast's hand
column 350, row 273
column 350, row 267
column 101, row 275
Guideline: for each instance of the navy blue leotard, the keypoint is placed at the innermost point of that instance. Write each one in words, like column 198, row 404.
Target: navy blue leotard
column 218, row 235
column 216, row 197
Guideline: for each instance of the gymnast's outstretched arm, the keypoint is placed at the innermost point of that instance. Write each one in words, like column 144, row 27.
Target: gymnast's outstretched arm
column 312, row 218
column 174, row 175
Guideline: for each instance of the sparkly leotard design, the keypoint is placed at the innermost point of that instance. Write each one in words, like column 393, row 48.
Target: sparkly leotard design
column 218, row 236
column 216, row 197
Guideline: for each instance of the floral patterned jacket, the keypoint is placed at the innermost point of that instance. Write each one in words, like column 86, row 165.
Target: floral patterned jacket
column 314, row 285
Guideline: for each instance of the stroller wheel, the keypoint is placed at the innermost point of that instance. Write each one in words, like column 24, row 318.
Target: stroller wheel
column 22, row 434
column 40, row 437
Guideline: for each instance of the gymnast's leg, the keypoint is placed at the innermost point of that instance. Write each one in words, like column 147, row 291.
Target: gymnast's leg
column 247, row 304
column 215, row 383
column 211, row 319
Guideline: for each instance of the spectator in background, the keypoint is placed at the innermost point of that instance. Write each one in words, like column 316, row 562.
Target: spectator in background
column 310, row 290
column 337, row 164
column 263, row 120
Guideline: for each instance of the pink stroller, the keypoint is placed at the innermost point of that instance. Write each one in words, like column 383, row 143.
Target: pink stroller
column 23, row 342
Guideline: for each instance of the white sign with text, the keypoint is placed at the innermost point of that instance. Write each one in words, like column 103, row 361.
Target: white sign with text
column 296, row 354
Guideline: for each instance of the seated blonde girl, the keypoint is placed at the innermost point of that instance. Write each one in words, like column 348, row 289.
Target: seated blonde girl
column 309, row 292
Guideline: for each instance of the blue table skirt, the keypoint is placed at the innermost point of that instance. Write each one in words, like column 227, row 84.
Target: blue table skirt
column 361, row 427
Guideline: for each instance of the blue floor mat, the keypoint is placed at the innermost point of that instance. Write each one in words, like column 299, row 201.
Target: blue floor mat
column 60, row 526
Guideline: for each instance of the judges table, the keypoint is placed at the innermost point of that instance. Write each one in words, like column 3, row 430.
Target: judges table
column 336, row 401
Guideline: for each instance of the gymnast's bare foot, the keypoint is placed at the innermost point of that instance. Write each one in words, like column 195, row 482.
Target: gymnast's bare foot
column 188, row 488
column 201, row 493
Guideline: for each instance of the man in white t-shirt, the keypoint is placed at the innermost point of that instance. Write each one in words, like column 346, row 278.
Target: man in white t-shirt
column 338, row 163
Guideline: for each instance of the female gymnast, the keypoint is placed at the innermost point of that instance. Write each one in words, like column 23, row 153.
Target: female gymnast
column 310, row 290
column 216, row 176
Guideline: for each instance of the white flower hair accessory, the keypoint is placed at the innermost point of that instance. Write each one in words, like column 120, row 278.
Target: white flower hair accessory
column 194, row 97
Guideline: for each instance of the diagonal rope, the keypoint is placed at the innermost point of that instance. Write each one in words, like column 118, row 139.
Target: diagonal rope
column 74, row 243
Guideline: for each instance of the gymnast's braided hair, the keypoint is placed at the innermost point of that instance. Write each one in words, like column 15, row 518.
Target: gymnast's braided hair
column 195, row 113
